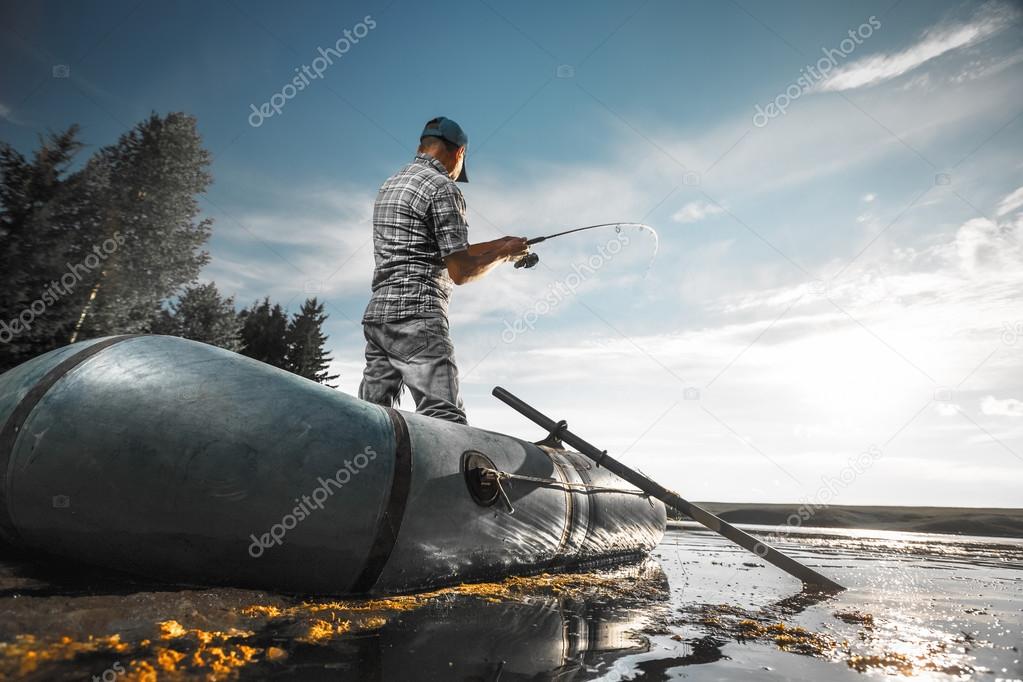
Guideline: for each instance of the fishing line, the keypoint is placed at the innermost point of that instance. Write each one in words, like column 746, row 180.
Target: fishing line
column 532, row 259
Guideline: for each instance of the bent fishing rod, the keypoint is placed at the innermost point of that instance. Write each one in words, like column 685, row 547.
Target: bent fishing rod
column 532, row 259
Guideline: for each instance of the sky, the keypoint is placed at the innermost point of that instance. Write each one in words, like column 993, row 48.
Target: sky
column 831, row 311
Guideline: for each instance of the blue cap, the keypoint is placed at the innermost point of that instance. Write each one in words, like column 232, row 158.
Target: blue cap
column 446, row 129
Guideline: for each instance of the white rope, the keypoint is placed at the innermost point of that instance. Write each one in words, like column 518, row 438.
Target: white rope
column 554, row 483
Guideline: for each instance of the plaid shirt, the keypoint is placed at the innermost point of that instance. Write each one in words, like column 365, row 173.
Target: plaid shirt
column 418, row 219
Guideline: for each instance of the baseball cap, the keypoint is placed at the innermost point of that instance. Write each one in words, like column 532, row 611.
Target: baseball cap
column 446, row 129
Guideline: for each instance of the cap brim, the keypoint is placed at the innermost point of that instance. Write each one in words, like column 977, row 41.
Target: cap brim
column 463, row 176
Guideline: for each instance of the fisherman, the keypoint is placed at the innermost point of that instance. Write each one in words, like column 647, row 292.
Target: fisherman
column 421, row 248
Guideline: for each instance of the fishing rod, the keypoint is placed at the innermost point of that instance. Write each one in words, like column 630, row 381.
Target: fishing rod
column 532, row 259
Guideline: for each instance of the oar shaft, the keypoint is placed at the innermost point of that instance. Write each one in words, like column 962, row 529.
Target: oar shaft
column 672, row 499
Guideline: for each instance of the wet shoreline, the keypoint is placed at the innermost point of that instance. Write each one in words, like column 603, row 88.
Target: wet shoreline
column 918, row 605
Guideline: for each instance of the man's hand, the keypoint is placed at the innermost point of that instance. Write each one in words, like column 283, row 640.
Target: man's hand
column 514, row 247
column 478, row 259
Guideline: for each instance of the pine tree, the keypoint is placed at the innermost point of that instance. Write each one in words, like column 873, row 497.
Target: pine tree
column 146, row 196
column 201, row 314
column 264, row 331
column 96, row 251
column 40, row 233
column 306, row 354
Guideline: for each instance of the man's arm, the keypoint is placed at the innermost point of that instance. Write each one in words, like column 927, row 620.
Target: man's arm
column 474, row 262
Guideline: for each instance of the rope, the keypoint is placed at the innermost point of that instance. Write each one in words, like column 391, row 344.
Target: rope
column 554, row 483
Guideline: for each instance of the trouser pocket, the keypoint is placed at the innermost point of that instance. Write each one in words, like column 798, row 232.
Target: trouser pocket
column 402, row 340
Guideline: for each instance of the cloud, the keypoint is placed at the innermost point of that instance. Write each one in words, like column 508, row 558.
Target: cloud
column 817, row 379
column 935, row 42
column 1010, row 407
column 695, row 211
column 306, row 243
column 1010, row 203
column 7, row 114
column 984, row 245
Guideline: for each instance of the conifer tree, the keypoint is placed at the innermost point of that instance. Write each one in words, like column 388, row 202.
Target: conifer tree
column 307, row 356
column 264, row 332
column 201, row 314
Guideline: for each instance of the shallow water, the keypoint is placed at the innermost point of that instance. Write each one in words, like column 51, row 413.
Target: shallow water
column 918, row 607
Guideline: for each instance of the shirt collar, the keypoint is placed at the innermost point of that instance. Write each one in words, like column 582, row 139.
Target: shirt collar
column 429, row 160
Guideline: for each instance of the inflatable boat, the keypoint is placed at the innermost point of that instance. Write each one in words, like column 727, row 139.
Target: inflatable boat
column 185, row 462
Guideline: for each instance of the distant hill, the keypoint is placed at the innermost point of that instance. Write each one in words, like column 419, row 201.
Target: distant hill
column 951, row 520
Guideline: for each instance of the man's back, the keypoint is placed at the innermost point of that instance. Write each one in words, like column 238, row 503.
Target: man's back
column 418, row 220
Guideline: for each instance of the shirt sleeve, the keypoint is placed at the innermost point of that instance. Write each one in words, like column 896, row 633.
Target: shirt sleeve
column 447, row 218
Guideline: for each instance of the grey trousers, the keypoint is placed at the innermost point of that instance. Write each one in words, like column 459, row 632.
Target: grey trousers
column 417, row 353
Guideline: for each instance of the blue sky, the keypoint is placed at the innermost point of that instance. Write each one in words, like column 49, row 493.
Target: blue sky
column 842, row 276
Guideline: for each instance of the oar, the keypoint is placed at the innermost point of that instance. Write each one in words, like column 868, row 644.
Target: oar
column 560, row 431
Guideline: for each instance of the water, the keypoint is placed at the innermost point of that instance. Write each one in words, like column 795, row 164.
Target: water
column 919, row 607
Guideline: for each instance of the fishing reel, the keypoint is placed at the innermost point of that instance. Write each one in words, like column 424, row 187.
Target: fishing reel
column 528, row 261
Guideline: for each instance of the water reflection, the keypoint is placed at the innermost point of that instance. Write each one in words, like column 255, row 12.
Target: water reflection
column 542, row 628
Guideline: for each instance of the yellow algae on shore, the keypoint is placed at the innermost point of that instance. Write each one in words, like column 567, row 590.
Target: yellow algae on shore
column 26, row 653
column 760, row 626
column 618, row 584
column 346, row 616
column 855, row 618
column 168, row 659
column 176, row 648
column 175, row 651
column 788, row 637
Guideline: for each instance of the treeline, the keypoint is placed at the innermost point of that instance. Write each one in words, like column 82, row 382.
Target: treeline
column 116, row 246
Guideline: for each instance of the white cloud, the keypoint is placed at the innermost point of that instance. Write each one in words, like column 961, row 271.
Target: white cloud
column 695, row 211
column 869, row 197
column 1010, row 203
column 1009, row 407
column 984, row 245
column 985, row 67
column 936, row 41
column 947, row 409
column 313, row 242
column 7, row 114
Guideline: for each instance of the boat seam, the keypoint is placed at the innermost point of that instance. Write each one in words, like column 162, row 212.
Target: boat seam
column 394, row 508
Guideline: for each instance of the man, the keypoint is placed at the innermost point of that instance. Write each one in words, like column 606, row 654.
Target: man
column 421, row 248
